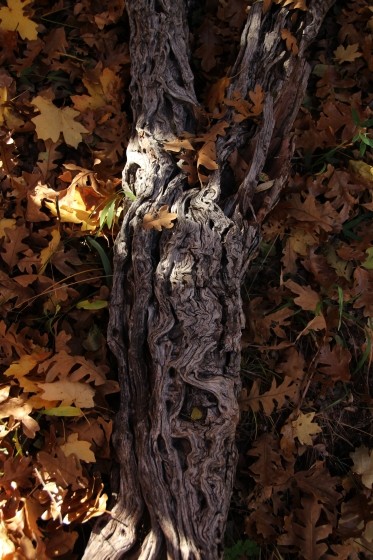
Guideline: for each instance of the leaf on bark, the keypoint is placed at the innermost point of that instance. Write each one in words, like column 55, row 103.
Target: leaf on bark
column 161, row 219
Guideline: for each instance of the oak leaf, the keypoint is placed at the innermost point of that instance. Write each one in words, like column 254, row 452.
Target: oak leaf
column 13, row 244
column 161, row 219
column 80, row 448
column 178, row 144
column 68, row 392
column 20, row 409
column 307, row 298
column 53, row 121
column 290, row 40
column 47, row 253
column 65, row 471
column 304, row 428
column 13, row 19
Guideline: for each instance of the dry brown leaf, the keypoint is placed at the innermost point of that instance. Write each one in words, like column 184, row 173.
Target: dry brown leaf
column 307, row 298
column 291, row 42
column 161, row 219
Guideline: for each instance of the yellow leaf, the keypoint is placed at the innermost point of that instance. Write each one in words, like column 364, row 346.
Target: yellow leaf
column 162, row 219
column 82, row 449
column 53, row 121
column 7, row 223
column 363, row 464
column 348, row 54
column 13, row 19
column 48, row 252
column 304, row 428
column 100, row 93
column 20, row 368
column 196, row 414
column 177, row 145
column 68, row 392
column 362, row 169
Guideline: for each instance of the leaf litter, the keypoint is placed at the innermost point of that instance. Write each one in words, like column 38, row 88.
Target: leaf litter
column 305, row 442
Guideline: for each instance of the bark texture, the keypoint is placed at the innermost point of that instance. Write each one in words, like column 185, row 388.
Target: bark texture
column 176, row 314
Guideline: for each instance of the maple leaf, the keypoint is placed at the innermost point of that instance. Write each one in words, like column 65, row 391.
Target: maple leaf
column 348, row 54
column 161, row 219
column 363, row 465
column 304, row 428
column 102, row 91
column 80, row 448
column 53, row 121
column 13, row 19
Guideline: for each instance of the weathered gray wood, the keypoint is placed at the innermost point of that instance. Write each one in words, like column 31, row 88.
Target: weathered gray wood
column 176, row 314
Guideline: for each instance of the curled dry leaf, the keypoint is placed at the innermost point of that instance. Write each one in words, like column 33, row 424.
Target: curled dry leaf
column 161, row 219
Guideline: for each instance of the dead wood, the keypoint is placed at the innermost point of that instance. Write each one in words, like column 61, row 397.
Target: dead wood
column 176, row 315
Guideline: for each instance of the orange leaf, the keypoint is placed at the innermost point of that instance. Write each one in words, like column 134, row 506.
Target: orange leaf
column 291, row 42
column 161, row 219
column 348, row 54
column 307, row 299
column 82, row 449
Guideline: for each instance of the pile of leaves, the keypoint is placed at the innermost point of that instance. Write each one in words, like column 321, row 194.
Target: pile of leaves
column 63, row 134
column 304, row 485
column 306, row 469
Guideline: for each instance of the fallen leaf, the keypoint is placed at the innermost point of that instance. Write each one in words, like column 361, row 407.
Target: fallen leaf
column 307, row 298
column 20, row 409
column 348, row 54
column 291, row 42
column 161, row 219
column 363, row 464
column 68, row 392
column 304, row 428
column 82, row 449
column 13, row 19
column 53, row 121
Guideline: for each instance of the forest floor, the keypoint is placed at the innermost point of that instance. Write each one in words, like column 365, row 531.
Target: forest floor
column 305, row 473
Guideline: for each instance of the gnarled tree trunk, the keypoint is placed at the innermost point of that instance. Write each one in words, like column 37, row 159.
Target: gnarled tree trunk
column 176, row 315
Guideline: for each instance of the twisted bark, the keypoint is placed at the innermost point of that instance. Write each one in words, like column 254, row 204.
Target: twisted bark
column 176, row 315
